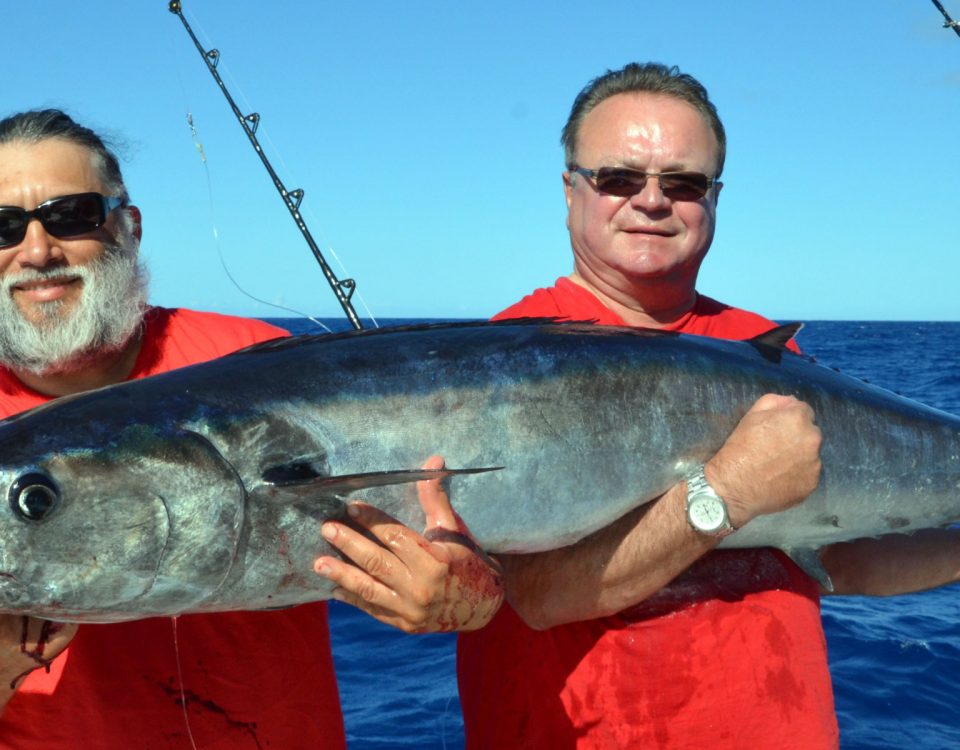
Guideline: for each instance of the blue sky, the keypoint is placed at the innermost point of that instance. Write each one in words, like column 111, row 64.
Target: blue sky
column 426, row 138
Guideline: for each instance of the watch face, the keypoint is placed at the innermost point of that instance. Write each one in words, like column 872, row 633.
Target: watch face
column 707, row 513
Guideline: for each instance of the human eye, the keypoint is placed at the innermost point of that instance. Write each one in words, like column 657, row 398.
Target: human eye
column 684, row 185
column 620, row 181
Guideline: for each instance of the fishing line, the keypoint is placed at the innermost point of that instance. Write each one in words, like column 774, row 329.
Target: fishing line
column 289, row 173
column 309, row 211
column 183, row 693
column 211, row 203
column 241, row 95
column 216, row 233
column 216, row 236
column 443, row 726
column 173, row 620
column 343, row 289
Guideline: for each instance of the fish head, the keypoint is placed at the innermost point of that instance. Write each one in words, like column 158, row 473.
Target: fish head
column 100, row 530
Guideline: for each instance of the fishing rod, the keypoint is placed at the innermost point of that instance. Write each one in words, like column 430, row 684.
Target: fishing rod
column 342, row 288
column 948, row 23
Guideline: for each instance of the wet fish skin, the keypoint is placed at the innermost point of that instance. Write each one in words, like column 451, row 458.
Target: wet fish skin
column 203, row 489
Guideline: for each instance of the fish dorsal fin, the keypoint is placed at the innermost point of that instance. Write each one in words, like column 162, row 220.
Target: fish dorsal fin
column 301, row 483
column 773, row 343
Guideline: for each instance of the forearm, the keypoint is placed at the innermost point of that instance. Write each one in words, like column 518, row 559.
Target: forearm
column 894, row 564
column 608, row 571
column 770, row 462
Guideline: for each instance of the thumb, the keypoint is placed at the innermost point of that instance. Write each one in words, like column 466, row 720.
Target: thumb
column 434, row 499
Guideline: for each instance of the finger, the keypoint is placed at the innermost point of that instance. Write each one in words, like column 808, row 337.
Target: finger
column 769, row 401
column 358, row 588
column 365, row 553
column 385, row 614
column 434, row 499
column 406, row 544
column 32, row 643
column 402, row 609
column 398, row 556
column 39, row 636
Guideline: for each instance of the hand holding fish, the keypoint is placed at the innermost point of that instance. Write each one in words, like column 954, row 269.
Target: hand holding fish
column 439, row 581
column 750, row 471
column 28, row 643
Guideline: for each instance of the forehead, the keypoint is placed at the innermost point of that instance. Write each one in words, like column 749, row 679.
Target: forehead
column 647, row 130
column 39, row 171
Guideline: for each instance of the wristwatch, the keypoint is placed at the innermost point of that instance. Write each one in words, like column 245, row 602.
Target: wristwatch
column 706, row 511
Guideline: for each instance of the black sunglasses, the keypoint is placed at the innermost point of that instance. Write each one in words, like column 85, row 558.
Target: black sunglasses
column 625, row 182
column 66, row 216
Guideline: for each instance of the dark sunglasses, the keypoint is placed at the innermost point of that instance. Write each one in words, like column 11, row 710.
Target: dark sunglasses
column 625, row 182
column 66, row 216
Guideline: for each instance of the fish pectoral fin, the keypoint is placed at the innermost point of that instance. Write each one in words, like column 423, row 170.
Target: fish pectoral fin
column 346, row 483
column 773, row 343
column 808, row 560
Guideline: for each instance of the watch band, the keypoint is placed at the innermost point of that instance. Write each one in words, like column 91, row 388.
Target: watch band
column 701, row 496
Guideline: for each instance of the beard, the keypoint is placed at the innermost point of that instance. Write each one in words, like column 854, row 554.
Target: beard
column 106, row 316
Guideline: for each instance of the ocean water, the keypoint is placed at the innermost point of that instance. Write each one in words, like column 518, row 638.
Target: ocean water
column 895, row 662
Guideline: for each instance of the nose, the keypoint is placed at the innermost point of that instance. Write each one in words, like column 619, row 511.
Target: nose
column 38, row 248
column 651, row 198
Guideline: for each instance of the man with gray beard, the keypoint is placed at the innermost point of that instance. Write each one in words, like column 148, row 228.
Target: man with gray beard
column 74, row 316
column 105, row 319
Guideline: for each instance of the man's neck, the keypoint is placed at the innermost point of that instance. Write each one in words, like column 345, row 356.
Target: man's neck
column 654, row 305
column 106, row 370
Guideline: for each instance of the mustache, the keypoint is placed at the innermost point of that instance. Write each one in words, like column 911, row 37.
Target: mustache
column 44, row 274
column 54, row 273
column 106, row 314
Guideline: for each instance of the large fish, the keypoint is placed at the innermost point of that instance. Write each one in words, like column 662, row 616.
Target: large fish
column 203, row 489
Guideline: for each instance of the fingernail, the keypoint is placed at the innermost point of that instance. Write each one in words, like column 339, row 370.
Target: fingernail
column 353, row 510
column 321, row 568
column 329, row 531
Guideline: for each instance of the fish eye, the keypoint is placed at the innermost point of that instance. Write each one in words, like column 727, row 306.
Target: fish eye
column 34, row 495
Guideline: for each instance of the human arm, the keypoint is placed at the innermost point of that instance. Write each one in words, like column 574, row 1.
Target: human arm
column 28, row 643
column 769, row 463
column 894, row 564
column 435, row 582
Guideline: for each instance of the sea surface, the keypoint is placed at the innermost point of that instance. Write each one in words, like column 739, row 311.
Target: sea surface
column 895, row 662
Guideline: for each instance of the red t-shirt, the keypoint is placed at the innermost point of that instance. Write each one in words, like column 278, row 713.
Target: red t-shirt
column 249, row 679
column 730, row 655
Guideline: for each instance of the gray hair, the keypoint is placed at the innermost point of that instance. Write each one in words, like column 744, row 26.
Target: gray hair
column 39, row 125
column 650, row 78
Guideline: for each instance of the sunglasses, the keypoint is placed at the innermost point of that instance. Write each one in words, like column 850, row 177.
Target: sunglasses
column 66, row 216
column 625, row 182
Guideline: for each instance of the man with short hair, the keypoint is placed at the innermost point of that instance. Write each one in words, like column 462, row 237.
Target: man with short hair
column 643, row 635
column 74, row 316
